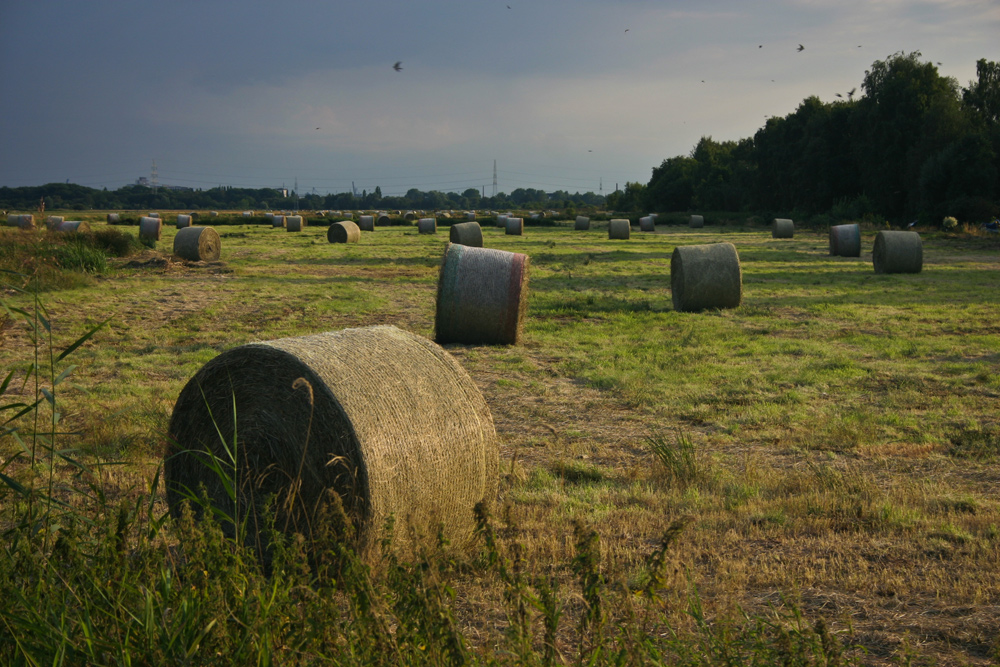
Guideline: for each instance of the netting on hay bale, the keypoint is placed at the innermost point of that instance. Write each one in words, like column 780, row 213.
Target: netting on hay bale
column 582, row 223
column 366, row 223
column 73, row 226
column 150, row 228
column 295, row 223
column 385, row 418
column 502, row 221
column 153, row 215
column 696, row 222
column 619, row 228
column 782, row 228
column 898, row 252
column 197, row 244
column 113, row 218
column 213, row 214
column 706, row 276
column 344, row 231
column 515, row 227
column 23, row 220
column 183, row 221
column 278, row 221
column 467, row 233
column 647, row 223
column 427, row 226
column 482, row 296
column 53, row 221
column 845, row 240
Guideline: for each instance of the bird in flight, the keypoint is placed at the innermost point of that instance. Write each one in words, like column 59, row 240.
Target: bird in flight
column 838, row 95
column 626, row 29
column 398, row 66
column 317, row 128
column 801, row 48
column 850, row 93
column 760, row 46
column 508, row 6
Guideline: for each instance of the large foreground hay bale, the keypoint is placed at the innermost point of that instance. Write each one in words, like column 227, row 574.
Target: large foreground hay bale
column 515, row 227
column 294, row 223
column 150, row 228
column 482, row 296
column 845, row 240
column 582, row 223
column 706, row 276
column 344, row 231
column 467, row 233
column 898, row 252
column 383, row 417
column 278, row 221
column 619, row 228
column 647, row 223
column 53, row 221
column 782, row 228
column 427, row 225
column 183, row 221
column 696, row 222
column 197, row 244
column 366, row 223
column 73, row 226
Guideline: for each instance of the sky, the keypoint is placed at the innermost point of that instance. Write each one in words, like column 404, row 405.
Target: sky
column 575, row 95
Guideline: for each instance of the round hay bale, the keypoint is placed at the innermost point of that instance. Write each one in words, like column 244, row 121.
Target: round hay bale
column 482, row 296
column 23, row 220
column 467, row 233
column 382, row 220
column 845, row 240
column 582, row 223
column 619, row 228
column 114, row 218
column 150, row 228
column 427, row 226
column 278, row 221
column 73, row 226
column 782, row 228
column 696, row 222
column 705, row 276
column 294, row 223
column 344, row 231
column 213, row 214
column 366, row 223
column 183, row 221
column 898, row 252
column 515, row 227
column 502, row 221
column 654, row 216
column 647, row 224
column 385, row 418
column 53, row 221
column 470, row 215
column 197, row 244
column 154, row 215
column 410, row 216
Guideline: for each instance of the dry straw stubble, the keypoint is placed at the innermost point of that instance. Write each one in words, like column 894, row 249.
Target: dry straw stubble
column 197, row 244
column 706, row 276
column 897, row 252
column 383, row 417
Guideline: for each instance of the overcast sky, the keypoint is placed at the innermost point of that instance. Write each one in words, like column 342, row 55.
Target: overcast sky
column 563, row 94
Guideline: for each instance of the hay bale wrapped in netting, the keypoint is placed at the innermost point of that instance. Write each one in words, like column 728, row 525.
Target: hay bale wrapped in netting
column 845, row 240
column 53, row 221
column 73, row 226
column 366, row 223
column 23, row 220
column 515, row 227
column 502, row 220
column 197, row 244
column 294, row 223
column 482, row 296
column 344, row 231
column 782, row 228
column 706, row 276
column 183, row 221
column 898, row 252
column 619, row 228
column 470, row 215
column 278, row 221
column 647, row 224
column 385, row 418
column 154, row 215
column 213, row 214
column 582, row 223
column 410, row 216
column 114, row 218
column 427, row 226
column 382, row 220
column 150, row 228
column 467, row 233
column 696, row 222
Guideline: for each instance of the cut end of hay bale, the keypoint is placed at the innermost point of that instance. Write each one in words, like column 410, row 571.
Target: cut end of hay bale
column 619, row 228
column 344, row 231
column 385, row 418
column 482, row 296
column 197, row 244
column 696, row 222
column 705, row 276
column 782, row 228
column 845, row 240
column 467, row 233
column 898, row 252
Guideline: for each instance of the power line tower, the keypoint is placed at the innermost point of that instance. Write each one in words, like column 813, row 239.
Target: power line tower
column 152, row 177
column 494, row 178
column 600, row 187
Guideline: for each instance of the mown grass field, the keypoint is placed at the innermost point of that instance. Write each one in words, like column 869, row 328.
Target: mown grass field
column 834, row 441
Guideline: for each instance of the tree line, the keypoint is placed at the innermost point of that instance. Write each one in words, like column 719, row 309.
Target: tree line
column 913, row 146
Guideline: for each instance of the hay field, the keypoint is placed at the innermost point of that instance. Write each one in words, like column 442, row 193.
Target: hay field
column 835, row 439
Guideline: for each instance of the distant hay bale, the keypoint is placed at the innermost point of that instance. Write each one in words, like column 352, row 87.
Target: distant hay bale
column 295, row 223
column 410, row 215
column 705, row 276
column 53, row 221
column 382, row 220
column 582, row 223
column 22, row 220
column 213, row 214
column 427, row 226
column 782, row 228
column 845, row 240
column 386, row 419
column 466, row 233
column 247, row 214
column 898, row 252
column 278, row 221
column 114, row 218
column 366, row 223
column 647, row 224
column 470, row 215
column 344, row 231
column 482, row 296
column 502, row 221
column 444, row 214
column 197, row 244
column 73, row 226
column 150, row 228
column 515, row 227
column 183, row 221
column 154, row 215
column 654, row 216
column 619, row 228
column 696, row 222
